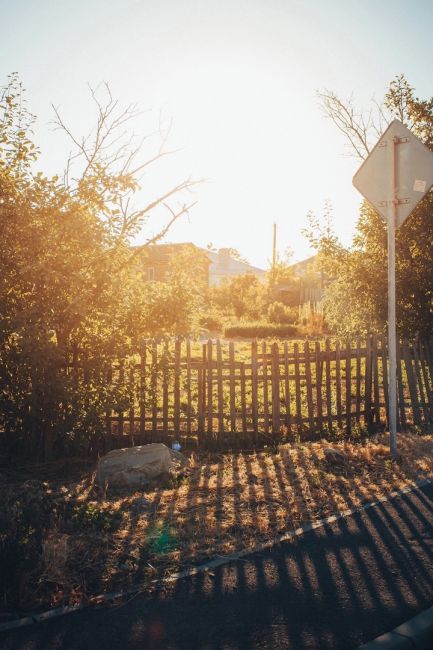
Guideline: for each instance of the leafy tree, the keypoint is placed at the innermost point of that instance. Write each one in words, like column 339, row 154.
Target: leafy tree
column 67, row 273
column 242, row 296
column 356, row 300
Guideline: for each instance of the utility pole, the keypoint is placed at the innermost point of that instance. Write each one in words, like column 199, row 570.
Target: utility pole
column 274, row 251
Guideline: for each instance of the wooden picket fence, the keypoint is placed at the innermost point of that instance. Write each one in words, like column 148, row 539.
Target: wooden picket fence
column 218, row 394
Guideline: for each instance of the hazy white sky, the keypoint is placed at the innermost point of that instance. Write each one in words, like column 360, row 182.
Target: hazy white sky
column 238, row 77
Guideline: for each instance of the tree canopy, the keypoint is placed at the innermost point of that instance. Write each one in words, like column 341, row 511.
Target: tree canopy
column 356, row 298
column 68, row 276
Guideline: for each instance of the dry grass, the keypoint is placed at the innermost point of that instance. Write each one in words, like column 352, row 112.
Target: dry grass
column 228, row 502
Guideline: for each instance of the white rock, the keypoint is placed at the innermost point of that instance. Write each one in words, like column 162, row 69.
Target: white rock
column 139, row 466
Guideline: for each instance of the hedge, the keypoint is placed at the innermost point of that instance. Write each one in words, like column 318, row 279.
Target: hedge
column 261, row 330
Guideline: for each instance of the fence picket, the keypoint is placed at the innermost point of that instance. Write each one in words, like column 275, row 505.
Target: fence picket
column 319, row 375
column 428, row 385
column 416, row 415
column 338, row 384
column 375, row 362
column 384, row 355
column 298, row 388
column 418, row 378
column 254, row 390
column 400, row 390
column 201, row 396
column 209, row 391
column 188, row 387
column 368, row 381
column 288, row 418
column 121, row 418
column 309, row 387
column 165, row 357
column 358, row 379
column 154, row 390
column 131, row 407
column 265, row 388
column 275, row 389
column 348, row 385
column 143, row 389
column 328, row 385
column 220, row 390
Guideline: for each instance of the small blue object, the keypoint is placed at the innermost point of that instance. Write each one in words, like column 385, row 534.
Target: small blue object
column 176, row 446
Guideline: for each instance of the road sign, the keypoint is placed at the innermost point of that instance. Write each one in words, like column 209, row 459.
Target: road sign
column 394, row 178
column 414, row 175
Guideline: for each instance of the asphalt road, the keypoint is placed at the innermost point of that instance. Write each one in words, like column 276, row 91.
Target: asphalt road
column 334, row 587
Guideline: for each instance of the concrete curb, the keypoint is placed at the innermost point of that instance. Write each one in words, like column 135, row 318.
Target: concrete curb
column 415, row 634
column 221, row 560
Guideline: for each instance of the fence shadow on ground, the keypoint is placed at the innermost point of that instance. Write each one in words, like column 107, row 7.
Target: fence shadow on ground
column 334, row 587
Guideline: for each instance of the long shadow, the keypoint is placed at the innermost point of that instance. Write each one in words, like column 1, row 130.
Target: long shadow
column 332, row 587
column 315, row 595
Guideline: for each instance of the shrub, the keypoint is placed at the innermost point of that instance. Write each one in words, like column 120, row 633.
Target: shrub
column 260, row 330
column 212, row 322
column 26, row 514
column 279, row 313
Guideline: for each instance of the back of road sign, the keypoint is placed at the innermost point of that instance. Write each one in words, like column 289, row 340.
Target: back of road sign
column 414, row 172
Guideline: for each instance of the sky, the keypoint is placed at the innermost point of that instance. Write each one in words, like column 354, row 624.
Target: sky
column 237, row 80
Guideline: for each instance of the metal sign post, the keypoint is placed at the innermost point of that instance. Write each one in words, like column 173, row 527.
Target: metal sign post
column 392, row 334
column 394, row 178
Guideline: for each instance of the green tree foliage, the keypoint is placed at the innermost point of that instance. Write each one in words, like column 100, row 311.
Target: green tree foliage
column 67, row 274
column 241, row 296
column 356, row 296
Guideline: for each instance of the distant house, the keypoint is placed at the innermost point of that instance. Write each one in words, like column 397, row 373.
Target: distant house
column 210, row 266
column 223, row 265
column 157, row 260
column 306, row 286
column 311, row 281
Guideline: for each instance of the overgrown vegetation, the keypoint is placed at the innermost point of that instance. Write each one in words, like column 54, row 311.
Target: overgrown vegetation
column 68, row 276
column 356, row 296
column 60, row 543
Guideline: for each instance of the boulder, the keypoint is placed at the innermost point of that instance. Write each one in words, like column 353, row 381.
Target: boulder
column 137, row 467
column 335, row 456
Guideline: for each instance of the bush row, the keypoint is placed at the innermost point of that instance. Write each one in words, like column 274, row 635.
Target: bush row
column 260, row 330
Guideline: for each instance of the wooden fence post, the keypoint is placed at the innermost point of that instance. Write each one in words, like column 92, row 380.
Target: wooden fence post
column 400, row 388
column 232, row 387
column 120, row 418
column 188, row 387
column 265, row 388
column 154, row 389
column 177, row 351
column 297, row 388
column 275, row 382
column 348, row 386
column 376, row 381
column 287, row 389
column 165, row 398
column 132, row 406
column 201, row 397
column 143, row 389
column 254, row 391
column 407, row 356
column 368, row 377
column 309, row 388
column 338, row 383
column 384, row 354
column 328, row 385
column 209, row 392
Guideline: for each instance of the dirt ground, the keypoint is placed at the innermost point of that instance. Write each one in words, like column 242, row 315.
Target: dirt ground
column 97, row 542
